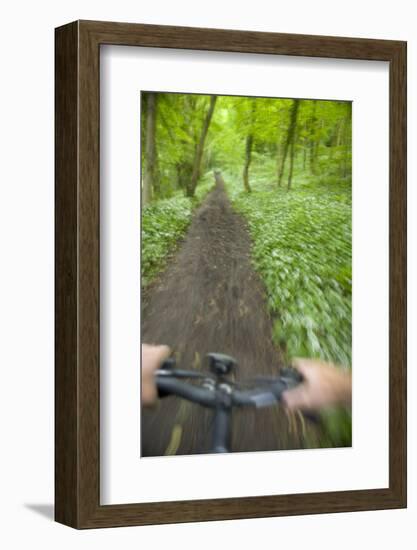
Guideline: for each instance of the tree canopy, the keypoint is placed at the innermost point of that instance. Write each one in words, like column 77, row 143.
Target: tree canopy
column 186, row 135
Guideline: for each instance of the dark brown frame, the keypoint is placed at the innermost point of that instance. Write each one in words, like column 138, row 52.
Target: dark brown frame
column 77, row 373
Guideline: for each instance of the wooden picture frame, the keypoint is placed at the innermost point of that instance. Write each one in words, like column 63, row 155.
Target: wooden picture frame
column 77, row 374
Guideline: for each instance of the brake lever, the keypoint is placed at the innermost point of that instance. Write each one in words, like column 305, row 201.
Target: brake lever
column 180, row 373
column 165, row 370
column 290, row 376
column 168, row 364
column 168, row 370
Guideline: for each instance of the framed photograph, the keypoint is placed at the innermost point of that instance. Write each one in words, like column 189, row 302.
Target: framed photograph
column 230, row 274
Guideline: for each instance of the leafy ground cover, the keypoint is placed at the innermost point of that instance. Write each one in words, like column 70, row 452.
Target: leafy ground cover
column 302, row 249
column 163, row 223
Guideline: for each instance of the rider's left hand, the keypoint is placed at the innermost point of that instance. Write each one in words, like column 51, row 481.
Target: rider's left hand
column 152, row 359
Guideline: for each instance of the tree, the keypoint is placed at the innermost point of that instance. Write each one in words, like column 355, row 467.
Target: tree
column 346, row 140
column 248, row 147
column 200, row 148
column 248, row 158
column 149, row 178
column 290, row 141
column 292, row 153
column 186, row 134
column 313, row 139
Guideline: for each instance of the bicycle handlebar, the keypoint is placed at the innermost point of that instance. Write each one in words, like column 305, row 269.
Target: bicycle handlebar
column 170, row 386
column 215, row 393
column 219, row 393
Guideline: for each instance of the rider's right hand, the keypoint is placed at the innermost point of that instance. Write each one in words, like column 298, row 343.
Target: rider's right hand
column 324, row 385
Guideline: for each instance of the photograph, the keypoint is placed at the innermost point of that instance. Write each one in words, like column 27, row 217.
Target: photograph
column 230, row 249
column 246, row 273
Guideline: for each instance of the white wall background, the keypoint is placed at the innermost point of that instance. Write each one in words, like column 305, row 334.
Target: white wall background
column 26, row 272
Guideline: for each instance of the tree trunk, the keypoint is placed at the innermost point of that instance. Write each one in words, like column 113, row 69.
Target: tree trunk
column 313, row 124
column 346, row 145
column 283, row 159
column 278, row 149
column 290, row 139
column 316, row 154
column 248, row 158
column 200, row 148
column 303, row 143
column 292, row 155
column 149, row 178
column 249, row 146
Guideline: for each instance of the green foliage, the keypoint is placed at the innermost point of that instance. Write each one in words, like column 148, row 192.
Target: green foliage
column 301, row 246
column 322, row 138
column 302, row 249
column 338, row 428
column 301, row 237
column 164, row 222
column 179, row 119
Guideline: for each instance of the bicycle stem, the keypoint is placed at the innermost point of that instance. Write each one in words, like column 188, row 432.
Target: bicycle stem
column 222, row 429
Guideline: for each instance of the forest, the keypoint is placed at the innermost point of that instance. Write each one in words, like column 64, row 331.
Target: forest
column 186, row 135
column 286, row 167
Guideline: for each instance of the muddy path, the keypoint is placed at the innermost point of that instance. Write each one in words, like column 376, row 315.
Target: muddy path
column 209, row 299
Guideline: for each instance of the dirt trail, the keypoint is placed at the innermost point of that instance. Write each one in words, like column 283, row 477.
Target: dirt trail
column 210, row 299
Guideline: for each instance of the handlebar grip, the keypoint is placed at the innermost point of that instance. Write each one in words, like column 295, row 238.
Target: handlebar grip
column 291, row 377
column 168, row 363
column 167, row 385
column 162, row 390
